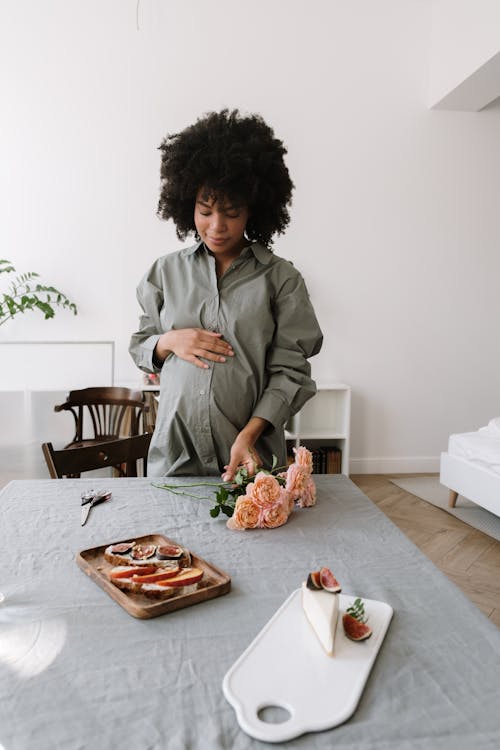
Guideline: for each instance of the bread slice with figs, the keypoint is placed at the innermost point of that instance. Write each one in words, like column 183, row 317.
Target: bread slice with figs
column 161, row 556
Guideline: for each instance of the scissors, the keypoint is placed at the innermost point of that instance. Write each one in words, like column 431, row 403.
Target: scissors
column 91, row 498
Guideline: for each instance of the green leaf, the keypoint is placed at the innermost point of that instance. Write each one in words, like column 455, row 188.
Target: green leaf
column 6, row 266
column 357, row 610
column 11, row 305
column 222, row 495
column 45, row 308
column 214, row 512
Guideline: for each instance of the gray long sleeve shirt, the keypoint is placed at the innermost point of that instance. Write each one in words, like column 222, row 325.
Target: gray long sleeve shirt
column 262, row 308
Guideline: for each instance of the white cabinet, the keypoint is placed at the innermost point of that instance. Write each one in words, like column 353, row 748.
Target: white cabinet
column 324, row 421
column 37, row 375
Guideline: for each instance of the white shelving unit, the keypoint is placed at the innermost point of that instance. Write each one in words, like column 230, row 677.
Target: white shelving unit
column 325, row 420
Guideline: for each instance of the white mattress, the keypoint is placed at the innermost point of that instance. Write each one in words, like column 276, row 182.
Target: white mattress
column 481, row 447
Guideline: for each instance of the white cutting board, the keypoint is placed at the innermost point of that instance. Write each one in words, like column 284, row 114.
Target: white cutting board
column 286, row 666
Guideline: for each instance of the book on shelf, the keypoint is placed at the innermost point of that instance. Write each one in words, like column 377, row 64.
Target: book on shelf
column 326, row 459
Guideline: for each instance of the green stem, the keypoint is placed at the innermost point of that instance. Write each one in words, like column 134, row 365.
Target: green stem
column 186, row 494
column 196, row 484
column 279, row 468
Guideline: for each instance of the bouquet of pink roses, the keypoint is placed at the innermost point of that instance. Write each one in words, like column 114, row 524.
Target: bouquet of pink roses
column 264, row 501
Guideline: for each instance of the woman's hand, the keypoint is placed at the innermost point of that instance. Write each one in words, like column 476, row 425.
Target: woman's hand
column 192, row 343
column 244, row 455
column 243, row 452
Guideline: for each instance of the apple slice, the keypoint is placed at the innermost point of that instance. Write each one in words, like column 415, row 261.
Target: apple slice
column 188, row 575
column 127, row 571
column 158, row 575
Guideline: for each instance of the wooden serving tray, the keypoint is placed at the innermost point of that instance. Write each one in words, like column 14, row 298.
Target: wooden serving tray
column 214, row 582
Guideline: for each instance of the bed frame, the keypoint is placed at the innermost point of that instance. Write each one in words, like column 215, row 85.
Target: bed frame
column 474, row 482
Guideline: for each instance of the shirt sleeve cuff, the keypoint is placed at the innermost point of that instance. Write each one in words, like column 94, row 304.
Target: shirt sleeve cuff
column 147, row 349
column 272, row 408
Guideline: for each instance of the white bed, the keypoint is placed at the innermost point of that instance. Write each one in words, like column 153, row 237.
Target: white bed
column 471, row 467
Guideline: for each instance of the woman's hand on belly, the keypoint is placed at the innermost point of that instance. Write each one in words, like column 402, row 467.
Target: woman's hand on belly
column 192, row 343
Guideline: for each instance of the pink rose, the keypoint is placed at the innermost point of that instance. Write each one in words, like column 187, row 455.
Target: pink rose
column 304, row 458
column 308, row 496
column 266, row 490
column 296, row 480
column 277, row 514
column 246, row 514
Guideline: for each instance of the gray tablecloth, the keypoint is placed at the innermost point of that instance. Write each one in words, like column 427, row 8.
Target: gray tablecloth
column 76, row 671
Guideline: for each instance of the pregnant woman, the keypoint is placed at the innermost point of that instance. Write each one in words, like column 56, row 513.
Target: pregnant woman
column 227, row 324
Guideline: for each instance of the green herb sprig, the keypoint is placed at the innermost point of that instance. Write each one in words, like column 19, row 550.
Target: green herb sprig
column 357, row 610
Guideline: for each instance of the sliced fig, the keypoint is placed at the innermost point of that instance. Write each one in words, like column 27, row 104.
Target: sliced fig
column 169, row 552
column 355, row 629
column 122, row 548
column 314, row 580
column 329, row 582
column 143, row 551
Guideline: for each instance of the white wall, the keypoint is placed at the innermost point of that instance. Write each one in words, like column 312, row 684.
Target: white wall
column 465, row 46
column 395, row 218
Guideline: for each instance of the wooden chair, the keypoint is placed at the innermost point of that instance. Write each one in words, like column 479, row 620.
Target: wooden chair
column 112, row 413
column 122, row 455
column 151, row 411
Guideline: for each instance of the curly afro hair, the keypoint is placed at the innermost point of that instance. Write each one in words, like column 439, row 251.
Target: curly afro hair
column 234, row 157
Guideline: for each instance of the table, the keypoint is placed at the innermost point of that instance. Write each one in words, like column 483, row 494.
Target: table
column 76, row 671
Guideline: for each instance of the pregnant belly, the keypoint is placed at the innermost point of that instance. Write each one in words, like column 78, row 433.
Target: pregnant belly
column 230, row 389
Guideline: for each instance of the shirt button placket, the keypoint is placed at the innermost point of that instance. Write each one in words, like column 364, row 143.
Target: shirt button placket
column 208, row 449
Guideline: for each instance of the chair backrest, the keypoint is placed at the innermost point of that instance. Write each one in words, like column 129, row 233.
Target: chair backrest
column 150, row 415
column 113, row 412
column 121, row 454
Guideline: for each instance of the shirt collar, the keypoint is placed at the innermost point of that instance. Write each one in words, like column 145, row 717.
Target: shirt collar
column 260, row 252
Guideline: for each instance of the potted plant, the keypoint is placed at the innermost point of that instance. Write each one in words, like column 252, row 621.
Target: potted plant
column 24, row 294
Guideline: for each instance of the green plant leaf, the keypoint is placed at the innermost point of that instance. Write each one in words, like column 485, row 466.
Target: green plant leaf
column 21, row 296
column 6, row 266
column 11, row 305
column 222, row 494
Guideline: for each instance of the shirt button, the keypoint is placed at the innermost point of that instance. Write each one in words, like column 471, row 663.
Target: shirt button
column 202, row 393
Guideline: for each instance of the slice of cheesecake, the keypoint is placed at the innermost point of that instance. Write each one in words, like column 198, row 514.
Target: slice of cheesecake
column 322, row 610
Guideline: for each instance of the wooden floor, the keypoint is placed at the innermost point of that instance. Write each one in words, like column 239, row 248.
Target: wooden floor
column 468, row 557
